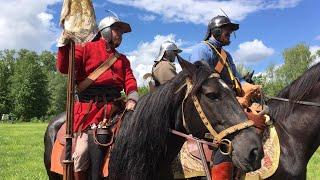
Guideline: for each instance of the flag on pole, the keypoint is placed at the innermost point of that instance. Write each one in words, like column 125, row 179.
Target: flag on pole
column 78, row 21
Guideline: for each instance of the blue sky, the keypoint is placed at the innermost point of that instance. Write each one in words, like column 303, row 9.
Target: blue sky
column 266, row 27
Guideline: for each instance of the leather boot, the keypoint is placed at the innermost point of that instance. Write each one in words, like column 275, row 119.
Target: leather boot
column 80, row 175
column 222, row 171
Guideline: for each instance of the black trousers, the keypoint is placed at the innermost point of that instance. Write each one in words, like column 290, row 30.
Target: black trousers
column 97, row 154
column 220, row 158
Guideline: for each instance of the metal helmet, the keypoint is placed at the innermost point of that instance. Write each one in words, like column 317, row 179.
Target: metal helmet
column 215, row 24
column 107, row 22
column 167, row 46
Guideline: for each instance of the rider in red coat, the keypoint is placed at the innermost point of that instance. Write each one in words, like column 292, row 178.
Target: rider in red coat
column 88, row 58
column 95, row 103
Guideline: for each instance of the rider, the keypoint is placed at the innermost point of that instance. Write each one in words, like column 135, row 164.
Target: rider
column 164, row 68
column 96, row 103
column 211, row 50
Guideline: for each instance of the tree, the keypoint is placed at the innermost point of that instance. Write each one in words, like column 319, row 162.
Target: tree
column 57, row 83
column 6, row 70
column 47, row 61
column 29, row 90
column 58, row 93
column 242, row 69
column 296, row 61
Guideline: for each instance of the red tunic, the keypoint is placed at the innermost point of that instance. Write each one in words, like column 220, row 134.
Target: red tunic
column 87, row 58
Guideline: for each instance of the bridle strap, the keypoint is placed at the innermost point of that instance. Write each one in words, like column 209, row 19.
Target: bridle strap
column 216, row 136
column 203, row 117
column 188, row 91
column 297, row 102
column 219, row 136
column 233, row 129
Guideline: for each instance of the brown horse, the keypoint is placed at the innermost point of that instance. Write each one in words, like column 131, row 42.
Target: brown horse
column 144, row 147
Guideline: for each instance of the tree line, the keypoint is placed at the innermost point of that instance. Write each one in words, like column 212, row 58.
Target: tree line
column 30, row 86
column 296, row 61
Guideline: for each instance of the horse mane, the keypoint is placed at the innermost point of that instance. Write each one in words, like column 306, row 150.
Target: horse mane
column 298, row 90
column 141, row 141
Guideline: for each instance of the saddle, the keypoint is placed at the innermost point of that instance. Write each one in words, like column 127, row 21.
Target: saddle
column 58, row 150
column 194, row 150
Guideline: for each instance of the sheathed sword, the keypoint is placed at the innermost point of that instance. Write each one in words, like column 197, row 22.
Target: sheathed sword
column 68, row 162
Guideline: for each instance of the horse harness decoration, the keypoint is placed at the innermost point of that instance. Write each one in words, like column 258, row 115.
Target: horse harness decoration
column 218, row 138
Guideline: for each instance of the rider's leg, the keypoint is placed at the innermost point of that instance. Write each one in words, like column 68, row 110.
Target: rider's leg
column 222, row 167
column 97, row 154
column 81, row 157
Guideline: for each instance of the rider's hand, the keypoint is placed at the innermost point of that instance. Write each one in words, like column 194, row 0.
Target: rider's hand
column 130, row 105
column 252, row 90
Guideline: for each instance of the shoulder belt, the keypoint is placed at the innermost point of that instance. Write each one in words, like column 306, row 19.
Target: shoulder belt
column 223, row 62
column 97, row 72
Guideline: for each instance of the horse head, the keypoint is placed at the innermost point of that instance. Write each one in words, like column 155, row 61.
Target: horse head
column 220, row 107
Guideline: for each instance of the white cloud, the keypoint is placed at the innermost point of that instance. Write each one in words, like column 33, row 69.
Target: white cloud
column 313, row 50
column 147, row 18
column 252, row 51
column 317, row 37
column 282, row 4
column 27, row 24
column 201, row 11
column 143, row 57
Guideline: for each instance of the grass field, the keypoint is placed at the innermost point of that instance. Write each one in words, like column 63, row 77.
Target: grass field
column 21, row 153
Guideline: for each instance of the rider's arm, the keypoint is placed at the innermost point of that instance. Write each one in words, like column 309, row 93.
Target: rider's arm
column 62, row 63
column 130, row 83
column 199, row 53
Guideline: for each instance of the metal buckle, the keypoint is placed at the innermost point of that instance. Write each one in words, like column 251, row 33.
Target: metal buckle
column 225, row 147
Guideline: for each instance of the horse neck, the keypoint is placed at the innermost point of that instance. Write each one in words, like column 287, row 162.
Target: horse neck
column 298, row 130
column 144, row 144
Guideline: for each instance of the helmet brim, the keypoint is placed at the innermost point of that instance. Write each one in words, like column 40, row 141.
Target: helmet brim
column 125, row 27
column 234, row 26
column 178, row 50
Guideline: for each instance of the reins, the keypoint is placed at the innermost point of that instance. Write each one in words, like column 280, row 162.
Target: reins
column 218, row 138
column 308, row 103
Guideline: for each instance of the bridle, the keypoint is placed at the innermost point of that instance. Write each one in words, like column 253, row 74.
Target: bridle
column 218, row 138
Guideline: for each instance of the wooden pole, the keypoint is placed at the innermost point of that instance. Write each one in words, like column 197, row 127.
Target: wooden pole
column 68, row 162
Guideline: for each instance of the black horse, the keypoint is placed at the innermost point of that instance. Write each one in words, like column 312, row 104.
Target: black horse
column 144, row 147
column 298, row 125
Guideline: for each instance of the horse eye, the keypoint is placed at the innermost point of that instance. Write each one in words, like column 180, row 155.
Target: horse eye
column 213, row 96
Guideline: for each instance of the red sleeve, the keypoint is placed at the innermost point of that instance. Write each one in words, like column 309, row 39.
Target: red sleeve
column 62, row 63
column 130, row 83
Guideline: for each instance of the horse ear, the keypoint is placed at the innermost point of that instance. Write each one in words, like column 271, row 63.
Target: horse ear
column 251, row 74
column 247, row 75
column 187, row 66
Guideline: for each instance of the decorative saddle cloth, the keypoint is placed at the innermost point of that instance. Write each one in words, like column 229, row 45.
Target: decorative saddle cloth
column 270, row 161
column 187, row 165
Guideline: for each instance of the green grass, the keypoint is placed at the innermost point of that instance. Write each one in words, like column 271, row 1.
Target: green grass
column 21, row 153
column 314, row 166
